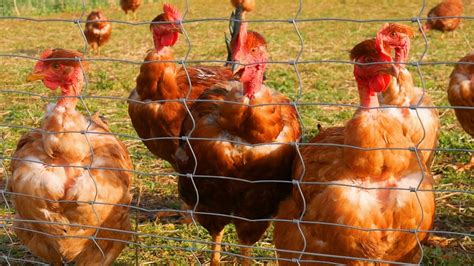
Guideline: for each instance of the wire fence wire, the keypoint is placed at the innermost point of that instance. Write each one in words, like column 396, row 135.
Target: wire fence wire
column 194, row 246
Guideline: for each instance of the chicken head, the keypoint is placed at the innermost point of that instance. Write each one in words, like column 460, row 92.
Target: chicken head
column 250, row 51
column 371, row 71
column 98, row 19
column 166, row 34
column 59, row 68
column 395, row 36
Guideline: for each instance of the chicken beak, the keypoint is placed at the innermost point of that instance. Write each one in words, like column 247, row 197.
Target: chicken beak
column 391, row 69
column 237, row 70
column 178, row 28
column 34, row 77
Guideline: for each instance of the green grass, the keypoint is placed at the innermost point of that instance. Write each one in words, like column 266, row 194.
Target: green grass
column 154, row 187
column 45, row 7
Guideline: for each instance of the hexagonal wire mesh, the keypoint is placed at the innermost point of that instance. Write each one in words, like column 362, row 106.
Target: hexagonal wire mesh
column 8, row 219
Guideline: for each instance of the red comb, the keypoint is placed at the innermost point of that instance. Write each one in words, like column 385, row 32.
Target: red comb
column 171, row 11
column 46, row 53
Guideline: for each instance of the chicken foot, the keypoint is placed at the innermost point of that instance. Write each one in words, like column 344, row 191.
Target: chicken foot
column 465, row 167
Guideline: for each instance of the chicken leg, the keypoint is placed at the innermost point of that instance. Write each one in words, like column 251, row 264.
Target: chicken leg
column 249, row 233
column 94, row 47
column 216, row 248
column 246, row 253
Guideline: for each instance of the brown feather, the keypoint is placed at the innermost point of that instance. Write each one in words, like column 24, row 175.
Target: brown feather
column 401, row 28
column 365, row 48
column 447, row 8
column 422, row 125
column 97, row 32
column 165, row 81
column 461, row 92
column 369, row 209
column 357, row 176
column 130, row 5
column 67, row 56
column 75, row 160
column 73, row 184
column 223, row 157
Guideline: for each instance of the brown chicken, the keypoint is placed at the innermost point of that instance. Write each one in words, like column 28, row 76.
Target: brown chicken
column 97, row 30
column 421, row 124
column 447, row 8
column 242, row 132
column 53, row 185
column 461, row 94
column 155, row 106
column 367, row 192
column 130, row 5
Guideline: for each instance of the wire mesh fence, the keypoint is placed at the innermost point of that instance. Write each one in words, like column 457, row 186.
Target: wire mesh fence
column 308, row 43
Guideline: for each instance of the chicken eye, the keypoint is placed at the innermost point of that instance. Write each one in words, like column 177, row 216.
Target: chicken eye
column 368, row 60
column 253, row 50
column 55, row 66
column 393, row 34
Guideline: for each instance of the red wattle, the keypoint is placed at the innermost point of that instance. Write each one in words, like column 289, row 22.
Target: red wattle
column 379, row 83
column 251, row 78
column 169, row 39
column 53, row 85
